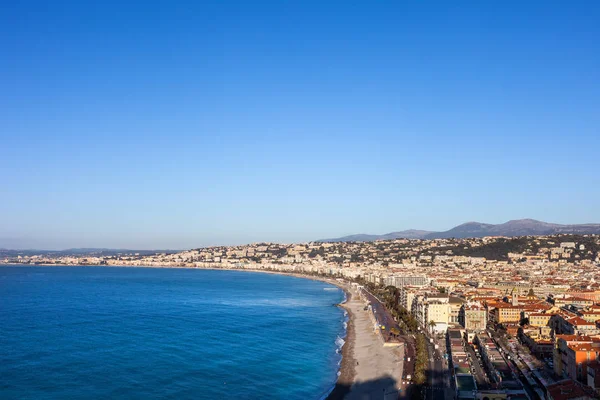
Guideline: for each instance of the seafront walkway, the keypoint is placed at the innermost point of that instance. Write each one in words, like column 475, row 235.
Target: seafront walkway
column 378, row 368
column 406, row 343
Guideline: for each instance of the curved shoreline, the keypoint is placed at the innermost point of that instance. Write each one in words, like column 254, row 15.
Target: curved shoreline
column 380, row 369
column 347, row 371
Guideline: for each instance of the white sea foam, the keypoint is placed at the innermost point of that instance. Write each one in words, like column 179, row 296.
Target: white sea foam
column 340, row 343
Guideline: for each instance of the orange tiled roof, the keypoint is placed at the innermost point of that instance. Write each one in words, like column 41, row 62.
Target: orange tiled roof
column 566, row 390
column 578, row 321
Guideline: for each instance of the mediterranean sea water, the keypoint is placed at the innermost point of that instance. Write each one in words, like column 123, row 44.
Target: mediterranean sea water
column 151, row 333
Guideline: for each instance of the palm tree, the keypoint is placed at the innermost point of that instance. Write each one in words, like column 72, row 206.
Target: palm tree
column 432, row 325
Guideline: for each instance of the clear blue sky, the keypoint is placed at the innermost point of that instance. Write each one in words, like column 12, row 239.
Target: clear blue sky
column 184, row 124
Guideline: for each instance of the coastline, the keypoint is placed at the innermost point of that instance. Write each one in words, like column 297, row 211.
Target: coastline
column 353, row 380
column 347, row 372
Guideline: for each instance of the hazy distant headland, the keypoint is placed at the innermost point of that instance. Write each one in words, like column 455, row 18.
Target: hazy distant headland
column 97, row 252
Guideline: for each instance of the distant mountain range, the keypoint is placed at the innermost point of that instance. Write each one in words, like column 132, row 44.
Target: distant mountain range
column 518, row 227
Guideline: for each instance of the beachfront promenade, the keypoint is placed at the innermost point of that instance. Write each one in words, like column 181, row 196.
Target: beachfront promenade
column 405, row 343
column 383, row 321
column 378, row 369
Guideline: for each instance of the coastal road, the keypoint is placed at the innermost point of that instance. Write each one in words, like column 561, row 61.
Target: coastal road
column 436, row 380
column 382, row 315
column 408, row 366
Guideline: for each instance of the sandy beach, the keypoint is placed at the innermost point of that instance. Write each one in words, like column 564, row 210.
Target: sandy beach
column 369, row 370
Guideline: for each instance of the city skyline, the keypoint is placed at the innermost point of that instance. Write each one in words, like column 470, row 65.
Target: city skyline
column 212, row 124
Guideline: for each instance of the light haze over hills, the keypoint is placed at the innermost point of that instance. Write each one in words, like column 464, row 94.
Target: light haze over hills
column 519, row 227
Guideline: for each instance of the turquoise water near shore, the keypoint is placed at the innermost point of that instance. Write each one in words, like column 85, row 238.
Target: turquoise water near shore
column 122, row 333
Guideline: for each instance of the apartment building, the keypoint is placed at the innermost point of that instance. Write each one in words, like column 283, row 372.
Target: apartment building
column 539, row 319
column 573, row 353
column 432, row 311
column 507, row 314
column 473, row 316
column 415, row 281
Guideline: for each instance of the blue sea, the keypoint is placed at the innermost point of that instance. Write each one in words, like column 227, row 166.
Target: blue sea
column 150, row 333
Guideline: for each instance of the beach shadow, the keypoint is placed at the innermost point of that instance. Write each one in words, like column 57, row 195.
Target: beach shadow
column 377, row 389
column 385, row 389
